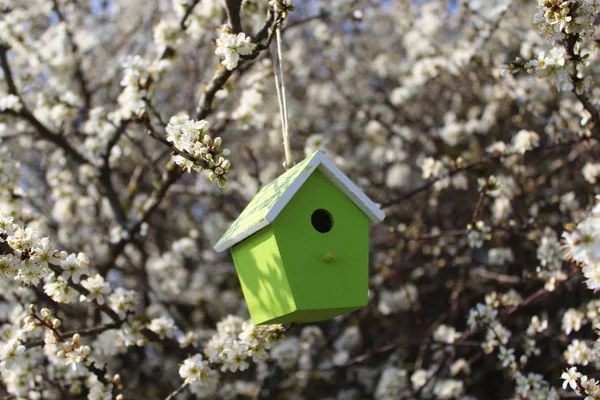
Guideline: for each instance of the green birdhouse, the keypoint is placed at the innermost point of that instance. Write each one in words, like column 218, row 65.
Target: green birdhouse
column 301, row 247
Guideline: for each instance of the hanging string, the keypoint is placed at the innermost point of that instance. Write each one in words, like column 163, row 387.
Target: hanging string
column 281, row 98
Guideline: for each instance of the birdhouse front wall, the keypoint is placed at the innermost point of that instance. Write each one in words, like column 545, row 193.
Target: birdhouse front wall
column 323, row 241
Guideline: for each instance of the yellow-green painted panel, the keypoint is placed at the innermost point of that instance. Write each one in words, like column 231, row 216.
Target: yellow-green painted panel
column 316, row 284
column 262, row 276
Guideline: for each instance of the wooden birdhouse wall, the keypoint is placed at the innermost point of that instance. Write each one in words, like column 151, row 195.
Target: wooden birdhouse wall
column 263, row 277
column 316, row 284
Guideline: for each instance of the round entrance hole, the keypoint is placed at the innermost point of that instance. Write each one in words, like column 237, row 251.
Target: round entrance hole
column 322, row 220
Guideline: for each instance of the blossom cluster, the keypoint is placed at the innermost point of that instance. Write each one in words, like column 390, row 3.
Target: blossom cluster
column 582, row 245
column 138, row 76
column 191, row 136
column 27, row 257
column 230, row 47
column 10, row 102
column 554, row 18
column 237, row 340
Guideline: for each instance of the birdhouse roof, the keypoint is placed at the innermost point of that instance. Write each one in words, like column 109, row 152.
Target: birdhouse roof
column 273, row 198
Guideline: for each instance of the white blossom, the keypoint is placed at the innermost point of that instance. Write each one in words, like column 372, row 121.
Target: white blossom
column 525, row 141
column 572, row 320
column 591, row 172
column 196, row 369
column 570, row 377
column 402, row 299
column 393, row 384
column 481, row 315
column 10, row 102
column 97, row 289
column 446, row 334
column 230, row 47
column 163, row 327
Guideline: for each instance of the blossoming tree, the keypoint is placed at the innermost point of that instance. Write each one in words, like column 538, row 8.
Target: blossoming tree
column 133, row 132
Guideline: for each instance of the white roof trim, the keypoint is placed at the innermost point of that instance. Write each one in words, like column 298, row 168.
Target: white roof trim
column 337, row 178
column 222, row 246
column 348, row 187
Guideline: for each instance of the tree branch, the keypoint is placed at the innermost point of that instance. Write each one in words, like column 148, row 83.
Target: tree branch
column 204, row 106
column 105, row 177
column 82, row 332
column 186, row 15
column 12, row 88
column 466, row 167
column 161, row 139
column 25, row 114
column 569, row 44
column 82, row 290
column 233, row 15
column 182, row 25
column 170, row 176
column 79, row 76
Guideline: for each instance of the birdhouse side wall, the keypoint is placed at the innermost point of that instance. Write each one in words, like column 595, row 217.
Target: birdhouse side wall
column 262, row 276
column 341, row 282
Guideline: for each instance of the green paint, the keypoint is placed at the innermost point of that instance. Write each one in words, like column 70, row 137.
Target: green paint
column 262, row 276
column 281, row 268
column 317, row 284
column 256, row 211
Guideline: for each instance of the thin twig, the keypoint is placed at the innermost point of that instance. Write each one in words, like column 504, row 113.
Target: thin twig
column 477, row 163
column 255, row 167
column 43, row 322
column 186, row 15
column 170, row 176
column 150, row 131
column 219, row 79
column 82, row 332
column 12, row 88
column 79, row 75
column 478, row 206
column 25, row 114
column 569, row 43
column 174, row 393
column 168, row 51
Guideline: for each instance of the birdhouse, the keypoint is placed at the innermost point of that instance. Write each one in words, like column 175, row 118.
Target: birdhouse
column 301, row 247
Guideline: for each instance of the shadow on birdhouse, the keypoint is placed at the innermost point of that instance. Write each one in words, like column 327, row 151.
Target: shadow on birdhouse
column 301, row 247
